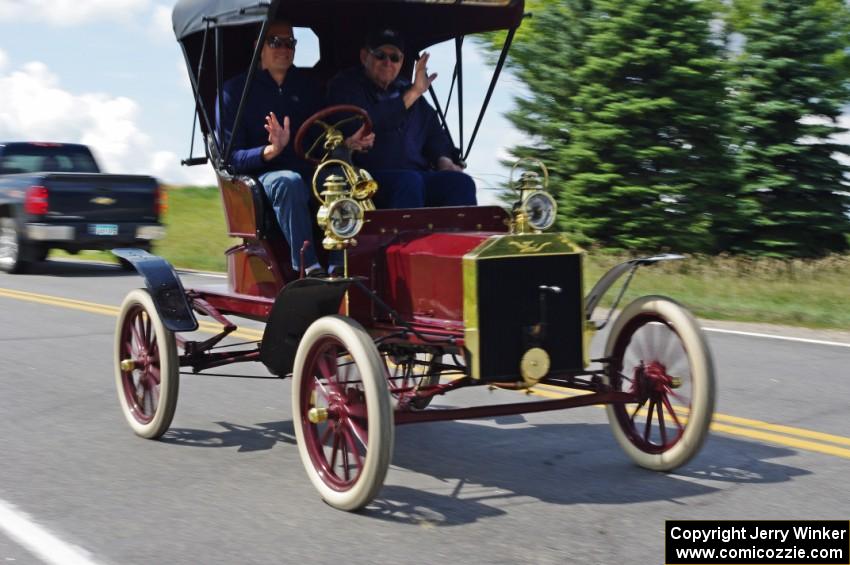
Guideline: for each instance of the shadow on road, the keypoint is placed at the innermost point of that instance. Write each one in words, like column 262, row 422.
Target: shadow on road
column 258, row 437
column 482, row 467
column 555, row 463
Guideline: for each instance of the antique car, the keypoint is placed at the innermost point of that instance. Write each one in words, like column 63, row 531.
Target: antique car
column 432, row 300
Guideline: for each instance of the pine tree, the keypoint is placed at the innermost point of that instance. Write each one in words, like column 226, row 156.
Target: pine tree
column 547, row 50
column 647, row 162
column 625, row 106
column 788, row 91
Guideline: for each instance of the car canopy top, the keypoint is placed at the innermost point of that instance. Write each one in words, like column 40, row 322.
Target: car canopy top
column 219, row 37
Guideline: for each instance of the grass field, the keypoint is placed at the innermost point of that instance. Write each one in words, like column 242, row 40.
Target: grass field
column 804, row 293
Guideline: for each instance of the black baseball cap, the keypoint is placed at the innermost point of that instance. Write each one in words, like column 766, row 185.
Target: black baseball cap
column 385, row 37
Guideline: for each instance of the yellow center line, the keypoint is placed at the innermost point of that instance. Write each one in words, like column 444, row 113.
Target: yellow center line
column 759, row 433
column 94, row 308
column 735, row 425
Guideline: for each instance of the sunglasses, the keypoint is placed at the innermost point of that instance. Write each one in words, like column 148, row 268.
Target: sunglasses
column 278, row 41
column 383, row 55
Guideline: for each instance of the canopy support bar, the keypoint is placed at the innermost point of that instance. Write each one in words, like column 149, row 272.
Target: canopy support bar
column 459, row 67
column 255, row 58
column 195, row 80
column 498, row 70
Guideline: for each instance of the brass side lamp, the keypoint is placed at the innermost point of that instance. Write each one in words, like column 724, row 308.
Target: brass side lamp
column 536, row 210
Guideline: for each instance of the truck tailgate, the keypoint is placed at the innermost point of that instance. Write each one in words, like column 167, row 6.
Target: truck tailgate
column 101, row 198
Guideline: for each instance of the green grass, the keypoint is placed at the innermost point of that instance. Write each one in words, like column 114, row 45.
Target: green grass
column 813, row 293
column 804, row 293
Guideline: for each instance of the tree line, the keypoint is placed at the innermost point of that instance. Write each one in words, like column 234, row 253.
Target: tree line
column 690, row 125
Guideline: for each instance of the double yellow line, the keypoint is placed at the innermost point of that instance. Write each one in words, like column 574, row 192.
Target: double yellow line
column 94, row 308
column 797, row 438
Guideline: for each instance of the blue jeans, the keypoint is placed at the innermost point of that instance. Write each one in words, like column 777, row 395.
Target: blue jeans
column 290, row 199
column 418, row 189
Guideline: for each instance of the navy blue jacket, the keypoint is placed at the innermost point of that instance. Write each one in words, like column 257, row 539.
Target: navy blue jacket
column 299, row 98
column 409, row 138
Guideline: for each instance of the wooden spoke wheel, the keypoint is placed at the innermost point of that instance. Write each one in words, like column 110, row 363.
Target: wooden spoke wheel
column 658, row 352
column 342, row 412
column 146, row 367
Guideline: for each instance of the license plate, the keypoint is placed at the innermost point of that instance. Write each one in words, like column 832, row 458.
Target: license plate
column 103, row 229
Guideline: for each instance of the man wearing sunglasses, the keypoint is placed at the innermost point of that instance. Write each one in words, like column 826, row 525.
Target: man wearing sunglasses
column 412, row 156
column 281, row 98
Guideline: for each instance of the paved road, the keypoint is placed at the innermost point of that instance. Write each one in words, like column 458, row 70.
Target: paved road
column 226, row 484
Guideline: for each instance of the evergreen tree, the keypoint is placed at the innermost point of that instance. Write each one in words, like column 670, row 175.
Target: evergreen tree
column 789, row 88
column 647, row 163
column 545, row 53
column 625, row 106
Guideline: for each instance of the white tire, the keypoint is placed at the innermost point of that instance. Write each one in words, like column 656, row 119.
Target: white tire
column 657, row 348
column 147, row 375
column 347, row 451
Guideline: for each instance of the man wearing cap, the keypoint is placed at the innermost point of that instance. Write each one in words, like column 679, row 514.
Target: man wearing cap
column 281, row 98
column 412, row 156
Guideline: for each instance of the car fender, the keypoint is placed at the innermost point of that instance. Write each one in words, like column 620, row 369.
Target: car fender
column 602, row 286
column 299, row 304
column 165, row 288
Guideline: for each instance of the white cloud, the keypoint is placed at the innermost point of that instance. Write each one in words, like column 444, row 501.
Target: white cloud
column 4, row 59
column 70, row 12
column 34, row 106
column 161, row 27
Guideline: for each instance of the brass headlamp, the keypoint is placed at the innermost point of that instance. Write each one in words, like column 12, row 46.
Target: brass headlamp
column 536, row 210
column 344, row 200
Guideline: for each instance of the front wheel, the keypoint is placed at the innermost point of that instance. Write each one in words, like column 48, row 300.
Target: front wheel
column 657, row 351
column 342, row 412
column 146, row 367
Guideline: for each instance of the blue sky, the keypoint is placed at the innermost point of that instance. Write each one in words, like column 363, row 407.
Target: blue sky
column 109, row 73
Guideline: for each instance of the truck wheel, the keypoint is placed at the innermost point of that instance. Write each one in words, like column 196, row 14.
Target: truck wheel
column 11, row 248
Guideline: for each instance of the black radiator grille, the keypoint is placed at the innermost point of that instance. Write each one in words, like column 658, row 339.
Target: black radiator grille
column 509, row 303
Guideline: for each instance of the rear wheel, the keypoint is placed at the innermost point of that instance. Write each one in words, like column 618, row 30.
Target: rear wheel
column 12, row 250
column 409, row 371
column 342, row 412
column 658, row 352
column 146, row 367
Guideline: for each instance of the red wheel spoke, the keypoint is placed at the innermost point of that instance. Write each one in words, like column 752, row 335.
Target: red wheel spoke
column 648, row 426
column 359, row 432
column 134, row 327
column 346, row 465
column 350, row 433
column 329, row 370
column 661, row 423
column 635, row 413
column 334, row 449
column 672, row 413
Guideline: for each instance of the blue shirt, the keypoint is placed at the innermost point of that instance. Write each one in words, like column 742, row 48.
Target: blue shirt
column 299, row 97
column 405, row 138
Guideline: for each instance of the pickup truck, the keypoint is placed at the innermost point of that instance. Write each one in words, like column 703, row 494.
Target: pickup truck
column 53, row 196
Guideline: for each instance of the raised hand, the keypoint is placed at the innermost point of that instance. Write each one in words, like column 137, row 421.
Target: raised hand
column 278, row 136
column 421, row 79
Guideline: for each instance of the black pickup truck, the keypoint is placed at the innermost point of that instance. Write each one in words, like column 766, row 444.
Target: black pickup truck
column 53, row 196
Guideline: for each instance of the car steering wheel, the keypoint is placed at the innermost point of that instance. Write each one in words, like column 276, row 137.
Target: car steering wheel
column 332, row 133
